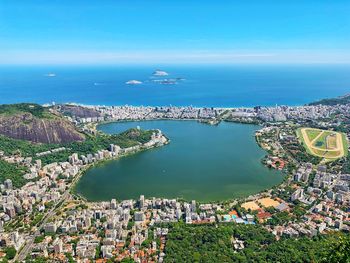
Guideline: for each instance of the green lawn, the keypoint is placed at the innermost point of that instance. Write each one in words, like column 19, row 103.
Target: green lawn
column 345, row 144
column 302, row 141
column 321, row 142
column 331, row 155
column 312, row 134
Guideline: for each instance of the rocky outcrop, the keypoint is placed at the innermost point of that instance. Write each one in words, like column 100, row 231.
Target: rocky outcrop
column 26, row 126
column 78, row 111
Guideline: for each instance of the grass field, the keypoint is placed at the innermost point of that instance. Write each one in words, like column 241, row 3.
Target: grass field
column 329, row 145
column 345, row 144
column 322, row 140
column 312, row 134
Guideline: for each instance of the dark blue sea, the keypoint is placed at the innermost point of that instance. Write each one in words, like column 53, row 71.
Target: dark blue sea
column 214, row 85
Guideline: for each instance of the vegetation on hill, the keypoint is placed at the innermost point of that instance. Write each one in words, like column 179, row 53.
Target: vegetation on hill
column 13, row 172
column 138, row 135
column 333, row 101
column 24, row 148
column 211, row 243
column 32, row 108
column 339, row 251
column 92, row 144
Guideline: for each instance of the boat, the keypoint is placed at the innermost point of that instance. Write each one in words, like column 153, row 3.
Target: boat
column 133, row 82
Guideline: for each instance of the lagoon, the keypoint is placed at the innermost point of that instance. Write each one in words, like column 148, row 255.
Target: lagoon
column 202, row 162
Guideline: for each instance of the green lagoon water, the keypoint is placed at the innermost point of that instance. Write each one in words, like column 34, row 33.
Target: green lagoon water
column 202, row 162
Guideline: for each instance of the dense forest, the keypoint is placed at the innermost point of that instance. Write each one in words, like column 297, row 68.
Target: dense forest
column 25, row 148
column 13, row 172
column 35, row 109
column 213, row 243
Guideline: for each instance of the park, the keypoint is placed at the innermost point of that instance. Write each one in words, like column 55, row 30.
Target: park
column 326, row 144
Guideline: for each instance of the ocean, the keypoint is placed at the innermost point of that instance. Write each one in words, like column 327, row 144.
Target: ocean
column 209, row 85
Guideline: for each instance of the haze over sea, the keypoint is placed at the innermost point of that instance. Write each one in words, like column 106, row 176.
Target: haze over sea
column 210, row 85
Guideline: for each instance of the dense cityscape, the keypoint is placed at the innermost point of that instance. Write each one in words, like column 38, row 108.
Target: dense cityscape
column 174, row 131
column 46, row 219
column 272, row 114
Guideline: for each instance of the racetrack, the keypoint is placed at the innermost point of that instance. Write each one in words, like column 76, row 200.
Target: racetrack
column 327, row 144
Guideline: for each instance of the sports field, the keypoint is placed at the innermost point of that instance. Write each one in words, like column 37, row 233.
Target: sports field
column 330, row 145
column 268, row 202
column 252, row 205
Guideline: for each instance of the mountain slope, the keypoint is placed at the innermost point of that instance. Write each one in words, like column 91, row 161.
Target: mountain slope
column 35, row 123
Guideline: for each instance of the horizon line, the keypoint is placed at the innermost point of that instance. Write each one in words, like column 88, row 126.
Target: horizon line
column 92, row 57
column 292, row 63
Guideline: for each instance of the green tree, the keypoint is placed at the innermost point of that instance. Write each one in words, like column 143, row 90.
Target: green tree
column 340, row 251
column 10, row 252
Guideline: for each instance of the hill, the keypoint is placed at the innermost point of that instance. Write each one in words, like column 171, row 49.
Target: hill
column 12, row 171
column 333, row 101
column 77, row 111
column 90, row 145
column 35, row 123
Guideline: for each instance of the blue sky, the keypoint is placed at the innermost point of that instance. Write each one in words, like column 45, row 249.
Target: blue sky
column 179, row 31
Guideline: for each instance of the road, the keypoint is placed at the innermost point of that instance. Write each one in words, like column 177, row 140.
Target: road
column 28, row 246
